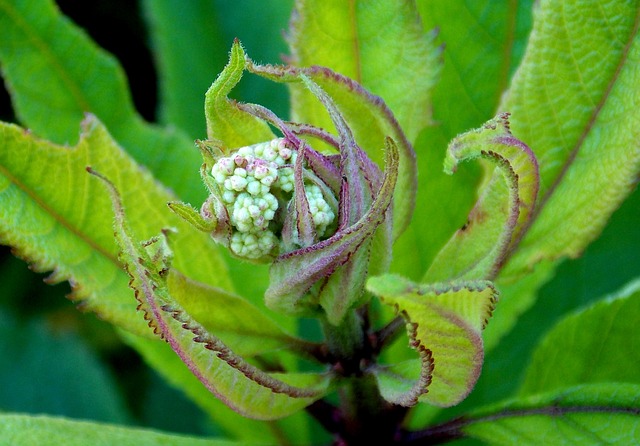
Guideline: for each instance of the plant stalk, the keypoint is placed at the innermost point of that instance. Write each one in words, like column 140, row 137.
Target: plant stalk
column 364, row 416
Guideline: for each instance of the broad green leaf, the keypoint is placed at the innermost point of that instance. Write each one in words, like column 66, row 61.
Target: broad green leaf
column 25, row 430
column 595, row 414
column 597, row 344
column 58, row 218
column 53, row 372
column 447, row 320
column 242, row 386
column 495, row 224
column 375, row 43
column 574, row 101
column 56, row 74
column 483, row 42
column 361, row 44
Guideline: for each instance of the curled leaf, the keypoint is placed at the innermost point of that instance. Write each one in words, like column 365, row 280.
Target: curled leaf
column 225, row 120
column 294, row 273
column 360, row 106
column 497, row 221
column 447, row 320
column 242, row 386
column 404, row 383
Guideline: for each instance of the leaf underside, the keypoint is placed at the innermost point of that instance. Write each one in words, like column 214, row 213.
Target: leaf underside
column 446, row 320
column 242, row 386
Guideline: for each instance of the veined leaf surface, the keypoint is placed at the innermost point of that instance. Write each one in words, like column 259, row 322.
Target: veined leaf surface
column 56, row 74
column 55, row 216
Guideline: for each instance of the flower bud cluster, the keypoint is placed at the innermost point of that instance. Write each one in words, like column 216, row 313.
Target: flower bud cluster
column 254, row 182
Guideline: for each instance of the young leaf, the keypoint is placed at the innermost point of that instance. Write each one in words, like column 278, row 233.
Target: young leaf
column 405, row 382
column 239, row 324
column 447, row 320
column 163, row 359
column 483, row 42
column 579, row 121
column 242, row 386
column 26, row 430
column 586, row 141
column 294, row 273
column 592, row 414
column 56, row 74
column 600, row 343
column 375, row 52
column 374, row 44
column 477, row 250
column 56, row 217
column 226, row 122
column 369, row 121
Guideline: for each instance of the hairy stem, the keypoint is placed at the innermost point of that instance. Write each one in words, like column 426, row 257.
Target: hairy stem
column 346, row 343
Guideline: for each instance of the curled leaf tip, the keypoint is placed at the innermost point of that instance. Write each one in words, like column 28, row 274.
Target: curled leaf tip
column 501, row 214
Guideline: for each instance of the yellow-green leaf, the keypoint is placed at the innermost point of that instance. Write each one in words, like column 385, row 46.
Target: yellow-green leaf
column 446, row 319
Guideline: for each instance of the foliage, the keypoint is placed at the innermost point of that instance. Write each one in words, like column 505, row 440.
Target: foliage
column 440, row 319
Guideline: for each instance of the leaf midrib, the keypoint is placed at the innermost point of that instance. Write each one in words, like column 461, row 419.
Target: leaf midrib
column 59, row 218
column 593, row 118
column 584, row 135
column 76, row 93
column 455, row 428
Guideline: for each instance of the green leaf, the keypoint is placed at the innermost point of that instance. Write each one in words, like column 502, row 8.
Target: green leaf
column 262, row 33
column 56, row 217
column 52, row 69
column 240, row 325
column 595, row 414
column 446, row 319
column 405, row 382
column 376, row 44
column 25, row 430
column 242, row 386
column 226, row 122
column 597, row 344
column 579, row 121
column 586, row 145
column 495, row 224
column 362, row 44
column 608, row 264
column 483, row 42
